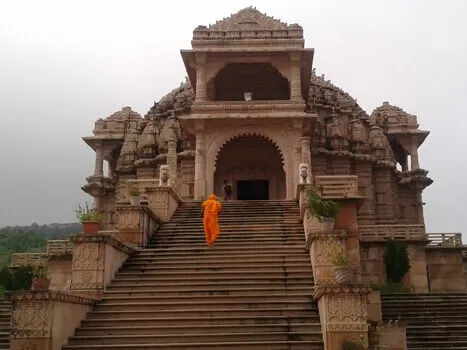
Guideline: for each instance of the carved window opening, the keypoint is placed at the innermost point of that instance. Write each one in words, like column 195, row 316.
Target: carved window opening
column 260, row 79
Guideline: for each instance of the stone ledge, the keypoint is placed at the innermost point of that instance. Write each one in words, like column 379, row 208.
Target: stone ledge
column 51, row 296
column 335, row 235
column 321, row 290
column 103, row 238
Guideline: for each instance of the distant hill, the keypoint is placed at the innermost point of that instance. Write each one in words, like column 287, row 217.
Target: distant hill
column 49, row 231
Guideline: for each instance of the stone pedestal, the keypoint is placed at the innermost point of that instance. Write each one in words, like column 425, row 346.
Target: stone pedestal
column 43, row 320
column 392, row 337
column 135, row 224
column 96, row 259
column 163, row 201
column 343, row 314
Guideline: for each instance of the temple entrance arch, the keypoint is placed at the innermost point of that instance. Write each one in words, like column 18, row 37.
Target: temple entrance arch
column 253, row 165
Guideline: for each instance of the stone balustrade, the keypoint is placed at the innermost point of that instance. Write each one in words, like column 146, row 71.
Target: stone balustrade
column 28, row 259
column 387, row 232
column 337, row 186
column 135, row 224
column 445, row 240
column 59, row 247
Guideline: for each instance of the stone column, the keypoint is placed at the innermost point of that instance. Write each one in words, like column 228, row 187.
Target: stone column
column 366, row 212
column 111, row 169
column 172, row 160
column 414, row 164
column 200, row 77
column 343, row 314
column 306, row 155
column 200, row 166
column 295, row 77
column 99, row 166
column 296, row 161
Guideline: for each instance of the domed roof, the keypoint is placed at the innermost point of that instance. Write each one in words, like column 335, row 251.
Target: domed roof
column 388, row 116
column 325, row 94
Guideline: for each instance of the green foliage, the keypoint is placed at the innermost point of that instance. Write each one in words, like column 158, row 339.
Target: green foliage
column 133, row 191
column 321, row 208
column 40, row 271
column 18, row 278
column 87, row 214
column 396, row 259
column 338, row 255
column 391, row 288
column 350, row 345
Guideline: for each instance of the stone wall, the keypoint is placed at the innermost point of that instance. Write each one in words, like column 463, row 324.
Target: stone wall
column 445, row 270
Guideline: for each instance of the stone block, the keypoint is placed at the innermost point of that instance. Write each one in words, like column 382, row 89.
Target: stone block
column 392, row 337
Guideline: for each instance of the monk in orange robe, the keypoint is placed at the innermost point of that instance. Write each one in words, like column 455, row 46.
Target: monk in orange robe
column 211, row 209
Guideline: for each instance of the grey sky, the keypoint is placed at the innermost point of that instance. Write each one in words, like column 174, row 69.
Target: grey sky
column 63, row 64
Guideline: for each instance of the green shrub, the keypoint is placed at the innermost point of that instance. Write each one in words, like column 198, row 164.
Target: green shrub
column 87, row 214
column 391, row 288
column 19, row 278
column 350, row 345
column 396, row 259
column 321, row 208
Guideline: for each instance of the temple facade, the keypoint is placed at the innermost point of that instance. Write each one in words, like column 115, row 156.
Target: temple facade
column 250, row 112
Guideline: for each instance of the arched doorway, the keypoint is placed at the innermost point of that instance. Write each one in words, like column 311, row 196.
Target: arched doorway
column 254, row 167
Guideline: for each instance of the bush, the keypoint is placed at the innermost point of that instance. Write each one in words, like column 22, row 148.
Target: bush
column 396, row 259
column 391, row 288
column 338, row 254
column 19, row 278
column 321, row 208
column 350, row 345
column 86, row 214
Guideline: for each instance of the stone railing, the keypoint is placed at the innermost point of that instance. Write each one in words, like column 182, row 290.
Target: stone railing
column 337, row 186
column 445, row 240
column 28, row 259
column 149, row 224
column 386, row 232
column 59, row 247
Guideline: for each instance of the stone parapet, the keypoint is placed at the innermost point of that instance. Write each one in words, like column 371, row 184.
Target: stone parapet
column 135, row 224
column 43, row 320
column 96, row 259
column 163, row 201
column 343, row 314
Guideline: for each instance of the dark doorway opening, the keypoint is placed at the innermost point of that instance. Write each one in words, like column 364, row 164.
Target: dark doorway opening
column 253, row 190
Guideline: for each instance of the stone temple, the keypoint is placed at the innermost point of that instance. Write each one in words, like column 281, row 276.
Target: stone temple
column 254, row 113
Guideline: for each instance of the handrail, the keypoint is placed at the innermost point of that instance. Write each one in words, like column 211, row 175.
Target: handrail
column 58, row 247
column 150, row 223
column 28, row 259
column 385, row 232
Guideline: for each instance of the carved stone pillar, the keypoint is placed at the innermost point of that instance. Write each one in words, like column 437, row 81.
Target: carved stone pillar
column 306, row 155
column 44, row 320
column 414, row 164
column 295, row 77
column 96, row 259
column 200, row 165
column 111, row 169
column 297, row 155
column 343, row 314
column 366, row 211
column 99, row 165
column 200, row 77
column 172, row 160
column 384, row 201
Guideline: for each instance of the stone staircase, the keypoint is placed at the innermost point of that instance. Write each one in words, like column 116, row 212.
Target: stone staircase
column 5, row 316
column 434, row 321
column 252, row 291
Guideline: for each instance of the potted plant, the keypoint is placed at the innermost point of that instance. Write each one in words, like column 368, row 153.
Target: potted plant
column 133, row 194
column 89, row 219
column 325, row 210
column 343, row 271
column 40, row 280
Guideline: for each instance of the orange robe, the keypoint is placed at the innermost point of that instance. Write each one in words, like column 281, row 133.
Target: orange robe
column 211, row 207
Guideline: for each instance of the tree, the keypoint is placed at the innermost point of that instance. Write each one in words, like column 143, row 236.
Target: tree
column 396, row 259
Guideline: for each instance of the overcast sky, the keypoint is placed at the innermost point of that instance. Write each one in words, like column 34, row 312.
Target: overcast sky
column 63, row 64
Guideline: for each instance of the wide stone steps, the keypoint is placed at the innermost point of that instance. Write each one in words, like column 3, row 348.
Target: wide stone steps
column 434, row 321
column 252, row 291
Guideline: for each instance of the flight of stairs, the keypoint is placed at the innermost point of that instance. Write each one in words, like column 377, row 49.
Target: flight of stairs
column 434, row 321
column 5, row 316
column 252, row 291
